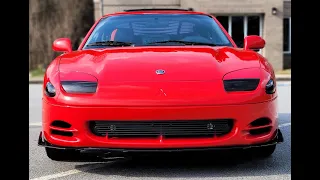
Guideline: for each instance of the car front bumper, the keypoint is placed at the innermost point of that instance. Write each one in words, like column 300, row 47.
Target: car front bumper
column 82, row 137
column 42, row 142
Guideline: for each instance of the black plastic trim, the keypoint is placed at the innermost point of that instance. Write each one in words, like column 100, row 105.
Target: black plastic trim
column 230, row 85
column 60, row 124
column 61, row 133
column 276, row 140
column 261, row 122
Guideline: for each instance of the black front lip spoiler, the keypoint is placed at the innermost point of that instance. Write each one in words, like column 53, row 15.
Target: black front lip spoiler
column 42, row 142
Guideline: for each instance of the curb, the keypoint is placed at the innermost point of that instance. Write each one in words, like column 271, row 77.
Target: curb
column 35, row 81
column 284, row 79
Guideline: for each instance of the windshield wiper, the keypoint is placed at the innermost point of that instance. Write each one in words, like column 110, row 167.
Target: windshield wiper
column 183, row 42
column 110, row 43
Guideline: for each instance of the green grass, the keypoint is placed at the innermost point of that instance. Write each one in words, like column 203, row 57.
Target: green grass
column 37, row 72
column 285, row 71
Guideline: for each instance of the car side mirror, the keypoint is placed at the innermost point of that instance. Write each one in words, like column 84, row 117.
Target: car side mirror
column 62, row 45
column 254, row 42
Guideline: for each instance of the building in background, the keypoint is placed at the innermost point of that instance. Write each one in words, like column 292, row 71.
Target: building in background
column 271, row 19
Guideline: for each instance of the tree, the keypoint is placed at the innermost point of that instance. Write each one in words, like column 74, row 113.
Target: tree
column 52, row 19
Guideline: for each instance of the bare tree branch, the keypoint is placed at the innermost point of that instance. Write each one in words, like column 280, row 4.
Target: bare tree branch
column 52, row 19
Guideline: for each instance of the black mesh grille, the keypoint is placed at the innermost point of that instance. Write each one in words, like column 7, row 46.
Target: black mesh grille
column 168, row 129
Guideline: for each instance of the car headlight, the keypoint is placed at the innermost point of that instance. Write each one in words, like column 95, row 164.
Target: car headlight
column 50, row 90
column 270, row 87
column 233, row 85
column 79, row 86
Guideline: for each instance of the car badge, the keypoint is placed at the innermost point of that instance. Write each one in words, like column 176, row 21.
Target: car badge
column 160, row 71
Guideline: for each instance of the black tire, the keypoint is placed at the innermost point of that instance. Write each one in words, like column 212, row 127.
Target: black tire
column 265, row 151
column 62, row 154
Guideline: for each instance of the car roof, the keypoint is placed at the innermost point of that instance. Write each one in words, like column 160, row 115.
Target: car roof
column 155, row 11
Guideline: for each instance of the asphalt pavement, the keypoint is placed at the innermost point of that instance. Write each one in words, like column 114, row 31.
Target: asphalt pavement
column 191, row 166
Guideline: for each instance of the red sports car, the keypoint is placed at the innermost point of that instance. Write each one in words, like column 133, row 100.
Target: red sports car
column 158, row 80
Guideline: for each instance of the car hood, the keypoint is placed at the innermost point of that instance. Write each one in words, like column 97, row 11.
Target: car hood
column 197, row 63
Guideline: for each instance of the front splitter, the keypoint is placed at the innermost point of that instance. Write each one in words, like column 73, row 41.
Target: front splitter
column 93, row 150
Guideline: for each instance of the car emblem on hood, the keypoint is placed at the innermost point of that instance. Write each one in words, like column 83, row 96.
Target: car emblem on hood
column 160, row 71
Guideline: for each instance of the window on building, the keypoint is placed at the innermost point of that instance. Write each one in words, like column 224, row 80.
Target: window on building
column 240, row 26
column 253, row 25
column 287, row 35
column 237, row 30
column 224, row 21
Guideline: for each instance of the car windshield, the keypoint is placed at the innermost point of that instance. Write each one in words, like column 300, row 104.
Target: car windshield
column 156, row 30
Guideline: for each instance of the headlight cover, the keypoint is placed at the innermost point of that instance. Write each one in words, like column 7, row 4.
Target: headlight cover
column 233, row 85
column 50, row 90
column 84, row 87
column 270, row 87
